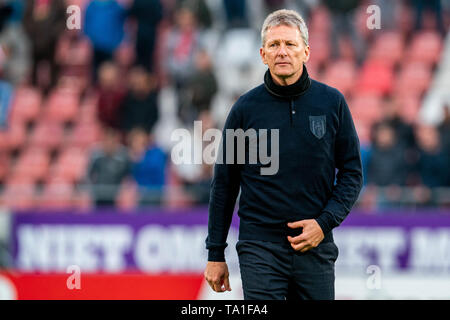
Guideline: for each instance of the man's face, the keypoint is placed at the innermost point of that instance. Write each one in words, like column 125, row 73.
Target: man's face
column 284, row 52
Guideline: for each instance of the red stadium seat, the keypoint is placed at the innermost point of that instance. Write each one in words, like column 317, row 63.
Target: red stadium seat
column 75, row 53
column 62, row 105
column 426, row 47
column 341, row 75
column 363, row 131
column 71, row 165
column 32, row 163
column 19, row 193
column 48, row 135
column 5, row 162
column 84, row 135
column 26, row 105
column 82, row 200
column 413, row 78
column 320, row 45
column 320, row 21
column 83, row 52
column 57, row 194
column 15, row 136
column 409, row 107
column 365, row 108
column 376, row 78
column 128, row 196
column 313, row 70
column 87, row 113
column 4, row 143
column 388, row 47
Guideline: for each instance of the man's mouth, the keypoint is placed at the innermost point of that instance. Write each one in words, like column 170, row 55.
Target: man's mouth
column 282, row 63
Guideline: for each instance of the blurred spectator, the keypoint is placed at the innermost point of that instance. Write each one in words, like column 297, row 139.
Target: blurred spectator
column 444, row 131
column 199, row 188
column 14, row 60
column 14, row 48
column 196, row 178
column 343, row 13
column 273, row 5
column 424, row 6
column 6, row 95
column 183, row 43
column 365, row 157
column 200, row 10
column 104, row 26
column 140, row 105
column 386, row 163
column 17, row 11
column 111, row 95
column 44, row 22
column 148, row 14
column 148, row 167
column 391, row 116
column 14, row 54
column 200, row 90
column 236, row 12
column 433, row 164
column 6, row 11
column 109, row 165
column 388, row 9
column 386, row 168
column 405, row 137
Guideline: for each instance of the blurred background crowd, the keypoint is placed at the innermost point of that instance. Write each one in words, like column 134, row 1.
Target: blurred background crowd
column 86, row 115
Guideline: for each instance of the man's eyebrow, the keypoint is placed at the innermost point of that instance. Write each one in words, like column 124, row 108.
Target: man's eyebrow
column 281, row 40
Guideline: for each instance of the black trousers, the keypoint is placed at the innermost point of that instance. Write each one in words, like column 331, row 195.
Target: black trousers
column 275, row 271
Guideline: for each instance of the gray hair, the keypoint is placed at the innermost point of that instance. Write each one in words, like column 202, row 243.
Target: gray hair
column 286, row 18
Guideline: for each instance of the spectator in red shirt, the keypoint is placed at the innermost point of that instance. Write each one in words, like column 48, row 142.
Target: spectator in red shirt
column 111, row 95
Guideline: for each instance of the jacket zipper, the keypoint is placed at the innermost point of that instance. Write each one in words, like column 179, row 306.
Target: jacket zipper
column 291, row 111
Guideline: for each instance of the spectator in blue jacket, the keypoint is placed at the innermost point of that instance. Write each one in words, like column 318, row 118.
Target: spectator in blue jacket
column 104, row 26
column 148, row 167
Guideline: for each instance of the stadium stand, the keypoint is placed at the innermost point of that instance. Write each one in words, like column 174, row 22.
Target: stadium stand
column 45, row 146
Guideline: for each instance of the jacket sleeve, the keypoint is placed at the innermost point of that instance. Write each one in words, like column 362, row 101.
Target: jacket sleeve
column 349, row 177
column 224, row 191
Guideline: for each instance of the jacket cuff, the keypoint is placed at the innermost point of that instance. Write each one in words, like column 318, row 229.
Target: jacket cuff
column 217, row 255
column 326, row 222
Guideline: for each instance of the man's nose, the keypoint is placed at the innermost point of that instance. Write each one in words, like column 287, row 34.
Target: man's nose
column 282, row 51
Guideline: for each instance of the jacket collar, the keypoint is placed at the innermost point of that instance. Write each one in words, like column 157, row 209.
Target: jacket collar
column 291, row 91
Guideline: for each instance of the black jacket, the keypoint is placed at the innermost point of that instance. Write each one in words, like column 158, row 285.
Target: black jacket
column 316, row 137
column 139, row 112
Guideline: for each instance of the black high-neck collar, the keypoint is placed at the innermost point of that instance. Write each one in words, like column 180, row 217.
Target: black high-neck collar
column 290, row 91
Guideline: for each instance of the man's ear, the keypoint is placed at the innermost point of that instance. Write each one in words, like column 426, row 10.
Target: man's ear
column 263, row 55
column 307, row 53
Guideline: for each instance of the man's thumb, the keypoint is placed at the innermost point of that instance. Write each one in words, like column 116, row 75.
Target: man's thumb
column 226, row 283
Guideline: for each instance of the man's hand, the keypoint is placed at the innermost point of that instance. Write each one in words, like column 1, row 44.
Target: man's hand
column 216, row 273
column 310, row 237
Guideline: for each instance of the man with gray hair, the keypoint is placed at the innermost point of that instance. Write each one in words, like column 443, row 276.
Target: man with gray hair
column 286, row 248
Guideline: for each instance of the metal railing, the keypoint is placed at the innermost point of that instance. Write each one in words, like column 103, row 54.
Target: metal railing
column 130, row 195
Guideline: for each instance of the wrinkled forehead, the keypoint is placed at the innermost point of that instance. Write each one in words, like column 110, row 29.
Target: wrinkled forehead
column 283, row 32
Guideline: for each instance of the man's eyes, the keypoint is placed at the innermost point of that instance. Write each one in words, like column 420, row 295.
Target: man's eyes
column 272, row 45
